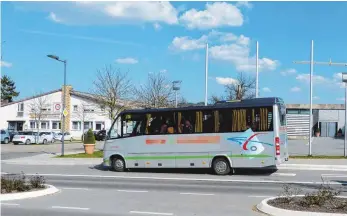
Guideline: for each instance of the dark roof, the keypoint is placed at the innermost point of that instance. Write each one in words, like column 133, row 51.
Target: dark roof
column 256, row 102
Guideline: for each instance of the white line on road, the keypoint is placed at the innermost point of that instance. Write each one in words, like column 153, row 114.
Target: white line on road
column 334, row 175
column 187, row 179
column 74, row 208
column 198, row 194
column 75, row 188
column 149, row 213
column 259, row 196
column 132, row 191
column 283, row 174
column 10, row 204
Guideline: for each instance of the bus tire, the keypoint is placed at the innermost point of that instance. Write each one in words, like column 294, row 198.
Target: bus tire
column 221, row 166
column 118, row 164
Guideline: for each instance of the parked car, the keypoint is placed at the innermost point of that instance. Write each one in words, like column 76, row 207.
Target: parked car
column 26, row 137
column 49, row 136
column 100, row 135
column 5, row 136
column 59, row 137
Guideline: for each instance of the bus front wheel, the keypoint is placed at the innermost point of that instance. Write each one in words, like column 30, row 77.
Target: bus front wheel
column 118, row 164
column 221, row 166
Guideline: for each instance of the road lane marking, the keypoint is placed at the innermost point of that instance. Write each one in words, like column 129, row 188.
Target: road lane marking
column 150, row 213
column 132, row 191
column 75, row 188
column 334, row 175
column 198, row 194
column 283, row 174
column 73, row 208
column 259, row 196
column 188, row 179
column 10, row 204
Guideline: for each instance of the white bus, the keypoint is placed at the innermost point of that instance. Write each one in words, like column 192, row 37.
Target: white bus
column 230, row 134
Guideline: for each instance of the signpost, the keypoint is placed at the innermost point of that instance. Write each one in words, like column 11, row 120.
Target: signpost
column 344, row 79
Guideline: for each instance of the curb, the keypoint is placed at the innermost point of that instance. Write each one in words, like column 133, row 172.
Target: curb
column 273, row 211
column 31, row 194
column 312, row 167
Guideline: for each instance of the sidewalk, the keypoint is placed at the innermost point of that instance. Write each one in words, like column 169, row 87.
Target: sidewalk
column 49, row 159
column 315, row 164
column 292, row 164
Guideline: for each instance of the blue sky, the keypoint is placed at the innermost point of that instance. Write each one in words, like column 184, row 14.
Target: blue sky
column 143, row 37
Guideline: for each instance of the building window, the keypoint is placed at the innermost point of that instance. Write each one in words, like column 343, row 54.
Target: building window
column 44, row 125
column 99, row 125
column 75, row 108
column 88, row 125
column 21, row 107
column 32, row 125
column 56, row 125
column 76, row 125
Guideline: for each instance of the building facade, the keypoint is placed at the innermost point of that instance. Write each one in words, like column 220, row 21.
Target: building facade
column 329, row 118
column 44, row 112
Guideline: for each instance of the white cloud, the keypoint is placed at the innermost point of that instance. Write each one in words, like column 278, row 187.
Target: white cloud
column 295, row 89
column 105, row 13
column 340, row 99
column 52, row 16
column 316, row 98
column 225, row 80
column 157, row 26
column 239, row 55
column 245, row 4
column 217, row 14
column 320, row 80
column 266, row 89
column 163, row 71
column 289, row 71
column 187, row 43
column 5, row 64
column 127, row 61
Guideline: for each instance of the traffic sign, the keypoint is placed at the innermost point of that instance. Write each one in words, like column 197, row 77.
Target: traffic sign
column 65, row 112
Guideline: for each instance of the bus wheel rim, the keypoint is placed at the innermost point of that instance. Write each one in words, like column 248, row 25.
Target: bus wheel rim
column 119, row 164
column 221, row 166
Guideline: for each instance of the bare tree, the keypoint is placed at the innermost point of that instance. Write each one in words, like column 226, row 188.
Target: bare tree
column 157, row 92
column 83, row 113
column 39, row 110
column 214, row 99
column 112, row 89
column 243, row 88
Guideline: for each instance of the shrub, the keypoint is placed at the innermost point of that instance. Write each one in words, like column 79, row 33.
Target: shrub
column 89, row 138
column 18, row 183
column 289, row 193
column 37, row 182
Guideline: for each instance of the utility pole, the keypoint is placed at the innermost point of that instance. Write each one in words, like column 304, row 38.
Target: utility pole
column 257, row 71
column 311, row 62
column 206, row 74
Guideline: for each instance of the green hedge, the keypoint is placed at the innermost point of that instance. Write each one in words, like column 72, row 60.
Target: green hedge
column 89, row 138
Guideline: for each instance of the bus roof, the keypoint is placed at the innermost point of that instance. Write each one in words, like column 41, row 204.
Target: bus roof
column 256, row 102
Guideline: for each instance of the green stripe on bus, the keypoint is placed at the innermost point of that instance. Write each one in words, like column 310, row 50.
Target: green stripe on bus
column 191, row 157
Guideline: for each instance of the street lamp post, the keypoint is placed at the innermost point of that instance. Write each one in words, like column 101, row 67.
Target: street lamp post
column 64, row 102
column 344, row 79
column 176, row 87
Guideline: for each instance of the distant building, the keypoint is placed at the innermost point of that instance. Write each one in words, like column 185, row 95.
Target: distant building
column 329, row 118
column 80, row 106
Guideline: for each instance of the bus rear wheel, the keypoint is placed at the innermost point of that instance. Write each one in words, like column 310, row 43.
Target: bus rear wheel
column 221, row 166
column 118, row 164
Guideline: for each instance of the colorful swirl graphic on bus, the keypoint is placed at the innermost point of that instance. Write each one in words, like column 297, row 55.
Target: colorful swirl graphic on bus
column 249, row 142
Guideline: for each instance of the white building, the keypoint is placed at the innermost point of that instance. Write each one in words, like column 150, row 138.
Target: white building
column 83, row 109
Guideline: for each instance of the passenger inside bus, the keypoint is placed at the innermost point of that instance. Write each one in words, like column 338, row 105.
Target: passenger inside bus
column 187, row 128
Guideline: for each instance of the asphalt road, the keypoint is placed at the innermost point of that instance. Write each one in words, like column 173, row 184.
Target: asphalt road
column 124, row 196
